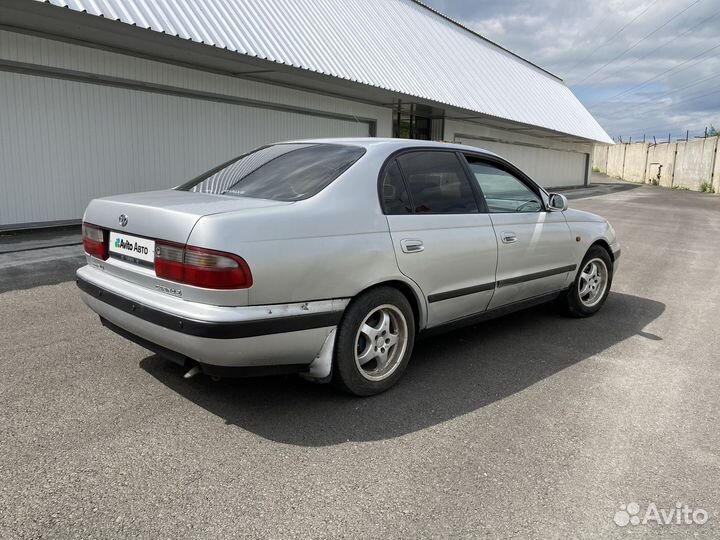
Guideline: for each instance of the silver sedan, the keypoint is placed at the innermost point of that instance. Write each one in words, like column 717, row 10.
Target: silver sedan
column 329, row 257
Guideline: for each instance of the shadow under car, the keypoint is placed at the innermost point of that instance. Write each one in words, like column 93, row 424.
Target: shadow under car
column 449, row 375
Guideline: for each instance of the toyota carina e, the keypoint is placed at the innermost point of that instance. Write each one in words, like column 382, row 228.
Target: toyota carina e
column 329, row 257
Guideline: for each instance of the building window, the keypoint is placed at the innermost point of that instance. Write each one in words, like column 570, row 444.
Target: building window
column 412, row 121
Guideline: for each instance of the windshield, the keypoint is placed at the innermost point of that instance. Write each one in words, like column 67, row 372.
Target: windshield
column 281, row 172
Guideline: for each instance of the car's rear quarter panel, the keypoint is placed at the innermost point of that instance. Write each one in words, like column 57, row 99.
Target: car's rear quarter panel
column 333, row 245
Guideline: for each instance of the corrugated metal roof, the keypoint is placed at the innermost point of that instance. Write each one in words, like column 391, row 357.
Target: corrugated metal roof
column 397, row 45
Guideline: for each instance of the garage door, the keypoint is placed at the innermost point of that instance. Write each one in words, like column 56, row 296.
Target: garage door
column 549, row 168
column 66, row 142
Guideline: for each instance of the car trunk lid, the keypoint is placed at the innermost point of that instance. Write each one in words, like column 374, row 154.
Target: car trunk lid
column 150, row 218
column 164, row 215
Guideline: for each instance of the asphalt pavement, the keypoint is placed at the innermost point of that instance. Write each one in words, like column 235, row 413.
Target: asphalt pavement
column 529, row 426
column 39, row 257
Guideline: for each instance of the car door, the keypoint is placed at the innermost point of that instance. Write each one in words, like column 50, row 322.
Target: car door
column 535, row 251
column 441, row 238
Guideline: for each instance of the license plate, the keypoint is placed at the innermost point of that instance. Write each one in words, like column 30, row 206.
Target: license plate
column 132, row 248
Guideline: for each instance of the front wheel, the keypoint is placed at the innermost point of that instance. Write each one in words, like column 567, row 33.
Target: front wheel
column 374, row 342
column 591, row 287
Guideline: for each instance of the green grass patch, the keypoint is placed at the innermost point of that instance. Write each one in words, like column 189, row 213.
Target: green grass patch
column 707, row 187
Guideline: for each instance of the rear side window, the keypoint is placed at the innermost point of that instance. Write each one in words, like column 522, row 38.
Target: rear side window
column 281, row 172
column 394, row 193
column 437, row 183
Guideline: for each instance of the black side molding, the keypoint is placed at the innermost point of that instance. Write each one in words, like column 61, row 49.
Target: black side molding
column 536, row 275
column 216, row 330
column 438, row 297
column 491, row 314
column 460, row 292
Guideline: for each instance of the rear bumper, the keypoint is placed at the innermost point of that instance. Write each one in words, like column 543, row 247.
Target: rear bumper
column 253, row 336
column 208, row 369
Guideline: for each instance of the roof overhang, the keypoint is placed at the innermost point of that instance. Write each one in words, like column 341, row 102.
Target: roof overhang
column 46, row 20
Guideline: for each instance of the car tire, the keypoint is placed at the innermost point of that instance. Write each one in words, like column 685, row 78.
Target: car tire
column 591, row 286
column 374, row 342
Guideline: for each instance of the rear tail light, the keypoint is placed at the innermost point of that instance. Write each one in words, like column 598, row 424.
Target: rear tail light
column 201, row 267
column 169, row 261
column 95, row 241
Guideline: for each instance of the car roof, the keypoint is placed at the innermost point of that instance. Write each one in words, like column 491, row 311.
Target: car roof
column 394, row 144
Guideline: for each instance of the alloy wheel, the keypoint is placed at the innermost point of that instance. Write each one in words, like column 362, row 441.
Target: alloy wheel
column 381, row 342
column 593, row 282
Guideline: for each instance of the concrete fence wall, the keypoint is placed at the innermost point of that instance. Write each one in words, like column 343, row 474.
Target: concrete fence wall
column 685, row 164
column 660, row 163
column 694, row 162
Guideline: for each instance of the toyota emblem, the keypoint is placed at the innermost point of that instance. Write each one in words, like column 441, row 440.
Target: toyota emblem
column 122, row 220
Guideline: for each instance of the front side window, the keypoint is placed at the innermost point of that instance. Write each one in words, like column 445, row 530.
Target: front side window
column 504, row 192
column 437, row 183
column 281, row 172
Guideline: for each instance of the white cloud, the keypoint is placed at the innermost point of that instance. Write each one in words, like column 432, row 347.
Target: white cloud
column 575, row 38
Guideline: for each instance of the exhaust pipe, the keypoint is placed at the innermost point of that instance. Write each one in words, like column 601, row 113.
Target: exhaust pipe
column 192, row 372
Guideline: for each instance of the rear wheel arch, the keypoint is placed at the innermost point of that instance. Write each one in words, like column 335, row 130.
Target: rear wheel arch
column 374, row 341
column 407, row 290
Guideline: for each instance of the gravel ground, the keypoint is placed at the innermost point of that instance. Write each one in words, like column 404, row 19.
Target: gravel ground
column 530, row 426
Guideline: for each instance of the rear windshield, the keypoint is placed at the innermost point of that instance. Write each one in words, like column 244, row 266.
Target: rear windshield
column 281, row 172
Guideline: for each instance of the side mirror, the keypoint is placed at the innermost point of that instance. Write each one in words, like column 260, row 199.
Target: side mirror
column 557, row 202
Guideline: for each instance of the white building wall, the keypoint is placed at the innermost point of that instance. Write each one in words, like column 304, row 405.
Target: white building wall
column 550, row 163
column 57, row 54
column 65, row 142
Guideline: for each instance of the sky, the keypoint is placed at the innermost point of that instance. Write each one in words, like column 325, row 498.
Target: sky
column 642, row 67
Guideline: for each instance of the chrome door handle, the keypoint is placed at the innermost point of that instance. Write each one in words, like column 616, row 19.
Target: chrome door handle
column 412, row 246
column 508, row 237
